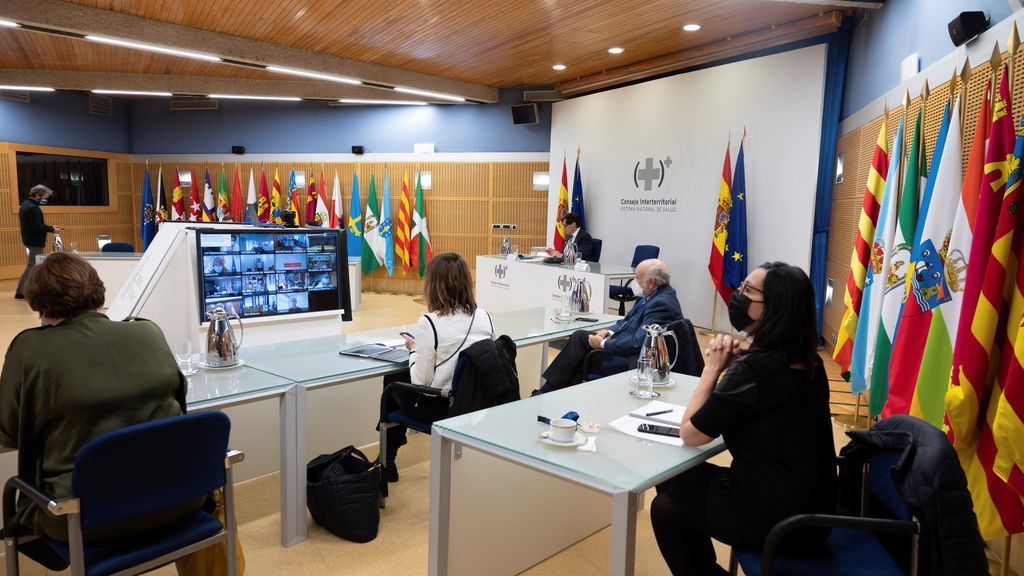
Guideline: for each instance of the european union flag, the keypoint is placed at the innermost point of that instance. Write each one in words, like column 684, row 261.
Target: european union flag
column 148, row 227
column 577, row 195
column 735, row 269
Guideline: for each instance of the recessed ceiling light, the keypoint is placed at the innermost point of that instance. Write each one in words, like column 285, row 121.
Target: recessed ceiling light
column 27, row 88
column 364, row 101
column 241, row 97
column 316, row 75
column 616, row 50
column 430, row 94
column 151, row 48
column 559, row 67
column 691, row 27
column 9, row 24
column 133, row 93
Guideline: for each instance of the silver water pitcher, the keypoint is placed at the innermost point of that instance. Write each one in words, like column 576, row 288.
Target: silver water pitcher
column 655, row 349
column 221, row 344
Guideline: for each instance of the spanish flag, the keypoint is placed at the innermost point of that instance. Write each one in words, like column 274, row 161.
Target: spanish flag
column 716, row 264
column 563, row 207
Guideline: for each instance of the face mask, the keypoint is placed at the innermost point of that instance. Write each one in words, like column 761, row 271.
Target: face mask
column 43, row 201
column 637, row 289
column 218, row 269
column 739, row 308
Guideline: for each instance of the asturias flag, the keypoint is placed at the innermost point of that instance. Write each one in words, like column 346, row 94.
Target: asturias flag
column 735, row 265
column 716, row 262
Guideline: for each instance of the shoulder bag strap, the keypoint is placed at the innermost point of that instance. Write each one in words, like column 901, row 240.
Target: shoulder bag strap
column 472, row 320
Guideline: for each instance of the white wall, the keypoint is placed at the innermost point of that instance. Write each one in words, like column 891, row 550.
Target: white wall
column 689, row 118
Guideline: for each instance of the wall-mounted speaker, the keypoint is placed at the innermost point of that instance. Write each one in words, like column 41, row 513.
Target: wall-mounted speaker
column 966, row 26
column 238, row 150
column 358, row 150
column 525, row 114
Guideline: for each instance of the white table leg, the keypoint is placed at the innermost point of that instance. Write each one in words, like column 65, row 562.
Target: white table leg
column 623, row 553
column 440, row 503
column 294, row 528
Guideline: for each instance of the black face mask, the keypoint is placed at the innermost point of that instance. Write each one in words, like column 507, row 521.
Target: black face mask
column 739, row 308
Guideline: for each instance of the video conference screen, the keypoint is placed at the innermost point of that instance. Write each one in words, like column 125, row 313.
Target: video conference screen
column 273, row 272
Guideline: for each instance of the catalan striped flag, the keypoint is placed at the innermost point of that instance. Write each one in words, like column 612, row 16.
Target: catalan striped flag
column 716, row 263
column 558, row 241
column 402, row 230
column 861, row 256
column 917, row 387
column 973, row 396
column 862, row 358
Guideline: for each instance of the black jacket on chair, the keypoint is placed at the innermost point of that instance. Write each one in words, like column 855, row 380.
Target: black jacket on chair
column 932, row 484
column 487, row 377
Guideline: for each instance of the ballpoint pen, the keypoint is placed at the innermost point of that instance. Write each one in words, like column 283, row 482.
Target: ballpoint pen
column 658, row 412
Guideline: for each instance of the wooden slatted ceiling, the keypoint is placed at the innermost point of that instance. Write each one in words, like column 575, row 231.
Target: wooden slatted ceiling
column 490, row 42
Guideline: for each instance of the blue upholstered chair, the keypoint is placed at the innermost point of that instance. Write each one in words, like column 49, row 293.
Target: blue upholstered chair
column 118, row 247
column 623, row 294
column 596, row 245
column 156, row 474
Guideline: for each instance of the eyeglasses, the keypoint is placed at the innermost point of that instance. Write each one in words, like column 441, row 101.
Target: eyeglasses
column 746, row 288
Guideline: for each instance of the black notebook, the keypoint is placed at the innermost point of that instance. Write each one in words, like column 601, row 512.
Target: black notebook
column 398, row 354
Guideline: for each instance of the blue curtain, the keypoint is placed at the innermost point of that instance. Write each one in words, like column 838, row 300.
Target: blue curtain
column 835, row 81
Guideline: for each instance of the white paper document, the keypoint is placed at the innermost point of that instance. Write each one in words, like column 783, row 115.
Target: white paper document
column 628, row 425
column 661, row 412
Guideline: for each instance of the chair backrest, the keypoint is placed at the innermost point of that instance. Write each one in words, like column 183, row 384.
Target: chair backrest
column 143, row 469
column 596, row 245
column 690, row 360
column 118, row 247
column 486, row 376
column 644, row 252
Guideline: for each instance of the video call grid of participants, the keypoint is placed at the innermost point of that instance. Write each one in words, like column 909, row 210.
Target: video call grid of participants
column 266, row 274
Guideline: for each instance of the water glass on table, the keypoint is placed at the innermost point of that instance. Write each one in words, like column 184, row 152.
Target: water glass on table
column 183, row 352
column 644, row 379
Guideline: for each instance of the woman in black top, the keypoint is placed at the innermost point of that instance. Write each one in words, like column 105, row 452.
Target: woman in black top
column 770, row 404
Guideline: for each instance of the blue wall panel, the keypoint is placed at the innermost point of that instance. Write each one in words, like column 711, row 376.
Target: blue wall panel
column 884, row 37
column 63, row 119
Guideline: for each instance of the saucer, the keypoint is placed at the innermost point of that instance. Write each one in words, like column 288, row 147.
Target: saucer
column 206, row 366
column 654, row 394
column 577, row 440
column 666, row 384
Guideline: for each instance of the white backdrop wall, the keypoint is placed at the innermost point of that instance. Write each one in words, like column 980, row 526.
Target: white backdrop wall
column 682, row 124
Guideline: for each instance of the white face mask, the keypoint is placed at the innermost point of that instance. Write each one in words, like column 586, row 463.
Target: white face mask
column 637, row 289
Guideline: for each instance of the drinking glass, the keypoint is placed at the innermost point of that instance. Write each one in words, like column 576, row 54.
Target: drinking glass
column 644, row 379
column 183, row 352
column 73, row 247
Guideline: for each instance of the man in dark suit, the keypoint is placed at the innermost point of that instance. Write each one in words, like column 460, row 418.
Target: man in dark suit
column 577, row 236
column 658, row 305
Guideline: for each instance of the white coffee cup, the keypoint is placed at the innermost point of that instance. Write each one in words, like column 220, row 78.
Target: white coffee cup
column 562, row 430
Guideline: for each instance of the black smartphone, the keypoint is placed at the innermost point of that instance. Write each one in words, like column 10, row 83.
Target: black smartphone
column 660, row 430
column 407, row 335
column 583, row 319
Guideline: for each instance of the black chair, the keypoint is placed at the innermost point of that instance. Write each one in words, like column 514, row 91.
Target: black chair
column 118, row 247
column 596, row 245
column 156, row 474
column 688, row 360
column 623, row 294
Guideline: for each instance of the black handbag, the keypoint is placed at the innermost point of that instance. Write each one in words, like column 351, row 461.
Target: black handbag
column 342, row 494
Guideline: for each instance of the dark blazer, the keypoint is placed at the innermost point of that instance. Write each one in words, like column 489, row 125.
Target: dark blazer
column 34, row 228
column 584, row 245
column 661, row 308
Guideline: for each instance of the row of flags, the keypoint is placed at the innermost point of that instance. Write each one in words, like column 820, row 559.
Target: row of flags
column 728, row 261
column 371, row 238
column 563, row 203
column 935, row 297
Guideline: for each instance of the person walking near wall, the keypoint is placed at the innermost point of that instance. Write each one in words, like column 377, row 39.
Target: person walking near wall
column 33, row 231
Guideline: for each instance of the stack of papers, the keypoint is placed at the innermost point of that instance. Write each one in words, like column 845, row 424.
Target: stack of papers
column 656, row 412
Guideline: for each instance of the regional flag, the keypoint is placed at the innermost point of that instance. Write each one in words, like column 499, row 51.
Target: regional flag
column 309, row 211
column 386, row 233
column 355, row 221
column 900, row 270
column 577, row 194
column 336, row 212
column 735, row 265
column 209, row 210
column 223, row 203
column 195, row 208
column 402, row 240
column 716, row 263
column 161, row 204
column 277, row 203
column 373, row 244
column 292, row 200
column 147, row 229
column 263, row 210
column 238, row 209
column 177, row 199
column 861, row 257
column 320, row 213
column 922, row 353
column 563, row 207
column 862, row 356
column 252, row 210
column 420, row 247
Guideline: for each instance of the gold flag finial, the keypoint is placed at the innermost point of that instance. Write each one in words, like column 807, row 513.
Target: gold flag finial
column 1014, row 41
column 744, row 137
column 924, row 92
column 996, row 59
column 965, row 72
column 906, row 99
column 577, row 151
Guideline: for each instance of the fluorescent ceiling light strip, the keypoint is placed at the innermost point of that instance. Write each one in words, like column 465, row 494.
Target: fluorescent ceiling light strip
column 315, row 75
column 361, row 101
column 9, row 24
column 241, row 97
column 429, row 94
column 132, row 93
column 27, row 88
column 151, row 48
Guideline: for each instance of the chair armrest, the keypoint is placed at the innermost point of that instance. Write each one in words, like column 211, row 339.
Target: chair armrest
column 781, row 529
column 233, row 457
column 17, row 484
column 425, row 390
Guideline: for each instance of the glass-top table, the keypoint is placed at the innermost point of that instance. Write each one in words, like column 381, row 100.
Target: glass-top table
column 623, row 466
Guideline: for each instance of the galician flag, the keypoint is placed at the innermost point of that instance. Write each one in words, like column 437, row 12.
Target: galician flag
column 420, row 248
column 861, row 257
column 862, row 358
column 177, row 199
column 900, row 271
column 385, row 227
column 373, row 244
column 917, row 387
column 402, row 240
column 719, row 237
column 337, row 214
column 563, row 206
